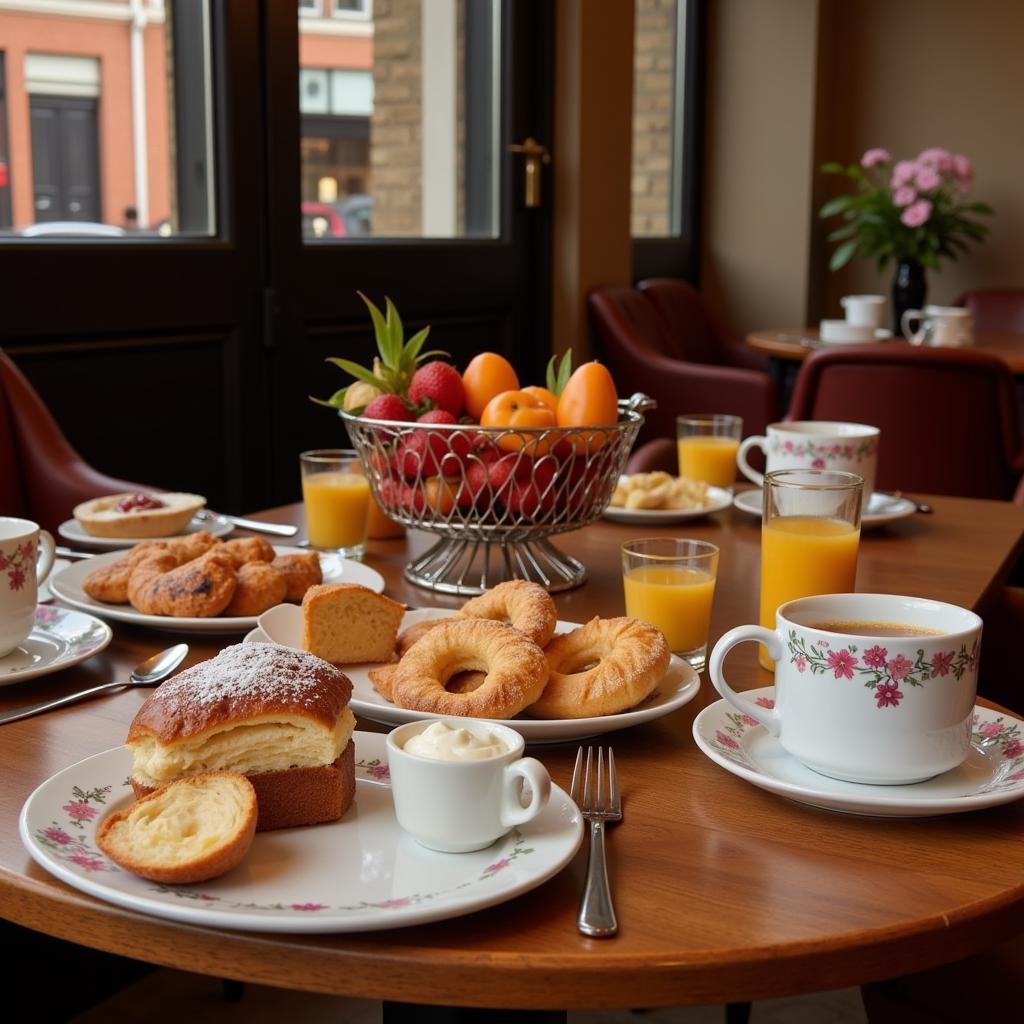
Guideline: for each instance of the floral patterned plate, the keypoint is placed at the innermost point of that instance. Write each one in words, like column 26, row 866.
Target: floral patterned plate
column 882, row 508
column 992, row 774
column 358, row 874
column 60, row 638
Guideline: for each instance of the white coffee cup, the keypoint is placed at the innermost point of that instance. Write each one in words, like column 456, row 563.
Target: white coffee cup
column 840, row 331
column 457, row 806
column 859, row 705
column 815, row 444
column 864, row 310
column 941, row 326
column 26, row 558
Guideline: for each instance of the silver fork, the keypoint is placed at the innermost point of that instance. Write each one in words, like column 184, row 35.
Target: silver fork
column 598, row 805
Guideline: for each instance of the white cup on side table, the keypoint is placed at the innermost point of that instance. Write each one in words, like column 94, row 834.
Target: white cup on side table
column 865, row 310
column 26, row 558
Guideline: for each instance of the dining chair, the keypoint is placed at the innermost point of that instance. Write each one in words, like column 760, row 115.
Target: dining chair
column 948, row 417
column 995, row 310
column 42, row 477
column 645, row 353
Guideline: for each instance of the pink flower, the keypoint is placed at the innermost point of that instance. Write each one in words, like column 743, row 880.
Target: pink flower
column 47, row 614
column 788, row 446
column 990, row 729
column 378, row 771
column 801, row 662
column 28, row 551
column 940, row 159
column 964, row 170
column 941, row 663
column 498, row 865
column 765, row 702
column 904, row 196
column 842, row 663
column 1016, row 776
column 87, row 861
column 749, row 720
column 58, row 835
column 1013, row 749
column 309, row 906
column 402, row 901
column 875, row 156
column 875, row 656
column 818, row 464
column 903, row 173
column 899, row 667
column 726, row 741
column 79, row 810
column 17, row 578
column 888, row 696
column 917, row 213
column 927, row 178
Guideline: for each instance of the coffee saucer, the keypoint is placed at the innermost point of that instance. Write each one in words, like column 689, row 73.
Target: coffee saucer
column 882, row 508
column 59, row 639
column 992, row 774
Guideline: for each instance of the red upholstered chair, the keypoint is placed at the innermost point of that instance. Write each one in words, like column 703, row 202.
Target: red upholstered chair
column 41, row 476
column 644, row 353
column 948, row 417
column 995, row 310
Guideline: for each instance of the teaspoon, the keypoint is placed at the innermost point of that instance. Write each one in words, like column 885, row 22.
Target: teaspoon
column 152, row 671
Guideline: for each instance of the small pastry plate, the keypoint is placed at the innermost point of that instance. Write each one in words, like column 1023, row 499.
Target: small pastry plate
column 362, row 873
column 992, row 774
column 718, row 499
column 59, row 639
column 72, row 530
column 882, row 508
column 284, row 626
column 67, row 585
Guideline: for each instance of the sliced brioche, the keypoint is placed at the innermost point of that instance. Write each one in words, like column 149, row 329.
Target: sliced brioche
column 348, row 624
column 189, row 831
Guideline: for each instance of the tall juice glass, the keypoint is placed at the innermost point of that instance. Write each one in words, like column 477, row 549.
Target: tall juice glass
column 670, row 583
column 810, row 535
column 336, row 495
column 707, row 447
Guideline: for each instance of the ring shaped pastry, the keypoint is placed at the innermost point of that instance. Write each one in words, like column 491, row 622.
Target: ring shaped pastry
column 516, row 670
column 602, row 668
column 526, row 606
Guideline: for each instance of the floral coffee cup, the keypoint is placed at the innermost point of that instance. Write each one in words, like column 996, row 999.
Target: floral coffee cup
column 869, row 688
column 815, row 444
column 26, row 558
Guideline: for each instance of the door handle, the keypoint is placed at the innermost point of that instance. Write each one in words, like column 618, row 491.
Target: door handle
column 536, row 155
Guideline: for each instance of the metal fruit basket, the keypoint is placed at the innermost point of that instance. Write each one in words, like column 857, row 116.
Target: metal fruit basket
column 494, row 495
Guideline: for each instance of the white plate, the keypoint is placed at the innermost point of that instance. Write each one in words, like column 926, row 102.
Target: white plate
column 59, row 639
column 67, row 585
column 881, row 334
column 72, row 530
column 992, row 774
column 43, row 595
column 718, row 496
column 679, row 687
column 882, row 508
column 358, row 874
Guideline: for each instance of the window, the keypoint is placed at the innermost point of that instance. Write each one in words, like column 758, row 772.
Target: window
column 352, row 8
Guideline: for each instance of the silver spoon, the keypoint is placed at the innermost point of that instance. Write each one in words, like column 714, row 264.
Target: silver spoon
column 919, row 505
column 152, row 671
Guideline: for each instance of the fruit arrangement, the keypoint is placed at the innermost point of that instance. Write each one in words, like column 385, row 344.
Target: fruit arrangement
column 474, row 455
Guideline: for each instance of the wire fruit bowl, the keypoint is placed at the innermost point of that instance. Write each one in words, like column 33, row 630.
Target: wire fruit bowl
column 494, row 495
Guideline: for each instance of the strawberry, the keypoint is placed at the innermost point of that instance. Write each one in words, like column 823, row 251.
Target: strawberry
column 390, row 493
column 415, row 456
column 438, row 385
column 437, row 416
column 388, row 407
column 411, row 500
column 527, row 499
column 473, row 491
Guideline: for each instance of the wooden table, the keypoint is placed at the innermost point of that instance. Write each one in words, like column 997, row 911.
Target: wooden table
column 724, row 892
column 793, row 344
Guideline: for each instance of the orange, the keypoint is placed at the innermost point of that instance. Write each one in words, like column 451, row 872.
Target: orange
column 487, row 375
column 549, row 398
column 589, row 399
column 519, row 409
column 438, row 494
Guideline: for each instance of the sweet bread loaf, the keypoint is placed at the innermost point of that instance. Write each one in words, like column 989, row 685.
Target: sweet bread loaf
column 189, row 831
column 348, row 624
column 278, row 716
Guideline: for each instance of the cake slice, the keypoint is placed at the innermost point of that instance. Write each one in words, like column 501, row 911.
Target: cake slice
column 348, row 624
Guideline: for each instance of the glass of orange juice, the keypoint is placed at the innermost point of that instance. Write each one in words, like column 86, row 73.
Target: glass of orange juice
column 670, row 583
column 708, row 444
column 336, row 495
column 810, row 535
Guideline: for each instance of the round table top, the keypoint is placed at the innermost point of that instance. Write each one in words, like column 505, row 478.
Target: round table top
column 724, row 892
column 794, row 344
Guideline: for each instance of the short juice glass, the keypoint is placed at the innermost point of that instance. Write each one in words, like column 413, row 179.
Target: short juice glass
column 336, row 495
column 670, row 583
column 810, row 535
column 707, row 447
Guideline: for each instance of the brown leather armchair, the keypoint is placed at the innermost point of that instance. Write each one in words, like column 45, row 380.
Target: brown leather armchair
column 646, row 351
column 995, row 310
column 948, row 417
column 41, row 476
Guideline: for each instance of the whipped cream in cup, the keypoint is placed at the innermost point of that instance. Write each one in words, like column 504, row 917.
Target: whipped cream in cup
column 460, row 784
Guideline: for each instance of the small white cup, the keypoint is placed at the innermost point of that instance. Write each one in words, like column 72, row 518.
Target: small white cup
column 940, row 326
column 839, row 331
column 864, row 706
column 460, row 806
column 26, row 558
column 815, row 444
column 864, row 310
